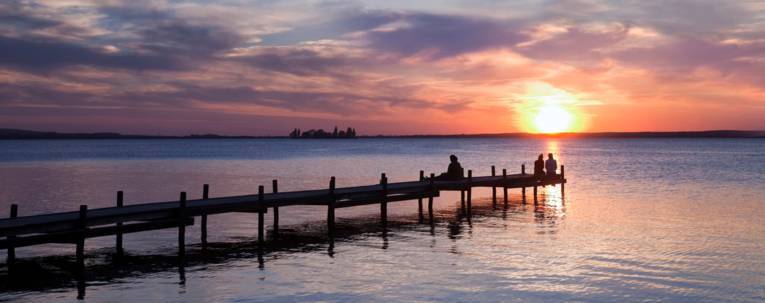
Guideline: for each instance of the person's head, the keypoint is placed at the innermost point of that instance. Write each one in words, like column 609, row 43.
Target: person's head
column 549, row 156
column 541, row 157
column 453, row 158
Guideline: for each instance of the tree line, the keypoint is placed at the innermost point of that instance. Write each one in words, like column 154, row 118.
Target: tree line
column 320, row 133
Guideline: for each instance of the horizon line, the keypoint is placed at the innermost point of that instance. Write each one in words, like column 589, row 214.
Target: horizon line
column 11, row 133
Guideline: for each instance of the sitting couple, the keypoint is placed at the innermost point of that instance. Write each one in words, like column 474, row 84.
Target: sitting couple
column 540, row 165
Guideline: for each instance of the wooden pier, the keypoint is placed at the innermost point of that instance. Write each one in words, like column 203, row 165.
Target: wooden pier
column 76, row 226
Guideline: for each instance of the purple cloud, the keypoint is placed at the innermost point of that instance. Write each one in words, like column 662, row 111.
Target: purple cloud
column 444, row 36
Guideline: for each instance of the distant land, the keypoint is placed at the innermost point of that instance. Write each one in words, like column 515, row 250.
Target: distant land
column 6, row 133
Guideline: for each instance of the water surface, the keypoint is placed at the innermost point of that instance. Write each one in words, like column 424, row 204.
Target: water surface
column 643, row 220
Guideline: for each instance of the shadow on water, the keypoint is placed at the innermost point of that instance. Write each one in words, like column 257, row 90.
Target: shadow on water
column 59, row 273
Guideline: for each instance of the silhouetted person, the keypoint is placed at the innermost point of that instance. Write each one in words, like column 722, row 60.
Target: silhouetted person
column 551, row 165
column 454, row 172
column 539, row 166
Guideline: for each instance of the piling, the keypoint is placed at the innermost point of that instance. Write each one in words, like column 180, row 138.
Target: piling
column 523, row 189
column 419, row 200
column 430, row 197
column 80, row 251
column 493, row 189
column 462, row 200
column 384, row 201
column 182, row 229
column 205, row 196
column 562, row 184
column 118, row 240
column 331, row 208
column 470, row 194
column 11, row 256
column 275, row 189
column 504, row 181
column 261, row 224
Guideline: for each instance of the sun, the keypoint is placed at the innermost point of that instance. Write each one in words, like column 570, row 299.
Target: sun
column 551, row 119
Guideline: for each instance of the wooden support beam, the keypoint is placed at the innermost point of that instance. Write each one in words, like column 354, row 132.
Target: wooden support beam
column 462, row 200
column 10, row 261
column 118, row 239
column 470, row 193
column 430, row 198
column 504, row 180
column 275, row 189
column 523, row 189
column 493, row 189
column 80, row 251
column 331, row 208
column 182, row 230
column 203, row 227
column 562, row 183
column 419, row 201
column 384, row 201
column 261, row 217
column 182, row 238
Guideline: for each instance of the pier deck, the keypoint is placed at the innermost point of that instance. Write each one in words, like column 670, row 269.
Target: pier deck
column 76, row 226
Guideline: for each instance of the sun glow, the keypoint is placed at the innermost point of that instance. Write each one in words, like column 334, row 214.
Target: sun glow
column 550, row 110
column 552, row 119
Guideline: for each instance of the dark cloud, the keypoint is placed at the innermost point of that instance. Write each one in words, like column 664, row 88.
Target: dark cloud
column 302, row 62
column 444, row 36
column 178, row 37
column 148, row 39
column 47, row 55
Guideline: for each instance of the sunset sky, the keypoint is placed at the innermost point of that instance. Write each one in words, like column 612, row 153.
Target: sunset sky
column 383, row 67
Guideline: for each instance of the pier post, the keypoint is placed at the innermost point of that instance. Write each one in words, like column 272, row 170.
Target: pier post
column 470, row 193
column 535, row 195
column 493, row 189
column 275, row 189
column 523, row 189
column 384, row 202
column 430, row 198
column 182, row 230
column 203, row 227
column 562, row 181
column 118, row 241
column 11, row 256
column 504, row 183
column 80, row 251
column 331, row 208
column 419, row 200
column 462, row 200
column 261, row 224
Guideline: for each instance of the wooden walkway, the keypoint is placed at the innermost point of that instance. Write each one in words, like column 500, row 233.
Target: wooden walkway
column 76, row 226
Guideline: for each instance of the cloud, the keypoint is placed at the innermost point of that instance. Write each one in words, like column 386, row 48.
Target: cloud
column 399, row 61
column 46, row 55
column 439, row 36
column 575, row 44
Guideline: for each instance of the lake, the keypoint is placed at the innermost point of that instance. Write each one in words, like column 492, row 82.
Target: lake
column 643, row 220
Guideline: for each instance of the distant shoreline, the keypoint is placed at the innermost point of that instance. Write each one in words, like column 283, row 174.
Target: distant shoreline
column 18, row 134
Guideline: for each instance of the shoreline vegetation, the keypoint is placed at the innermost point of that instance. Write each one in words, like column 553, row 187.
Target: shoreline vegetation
column 349, row 133
column 6, row 133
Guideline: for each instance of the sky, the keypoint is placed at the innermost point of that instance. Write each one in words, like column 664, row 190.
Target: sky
column 383, row 67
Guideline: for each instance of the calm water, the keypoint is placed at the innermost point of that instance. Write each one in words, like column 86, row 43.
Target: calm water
column 643, row 220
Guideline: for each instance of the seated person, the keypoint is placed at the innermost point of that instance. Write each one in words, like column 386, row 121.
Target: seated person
column 551, row 165
column 539, row 166
column 455, row 171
